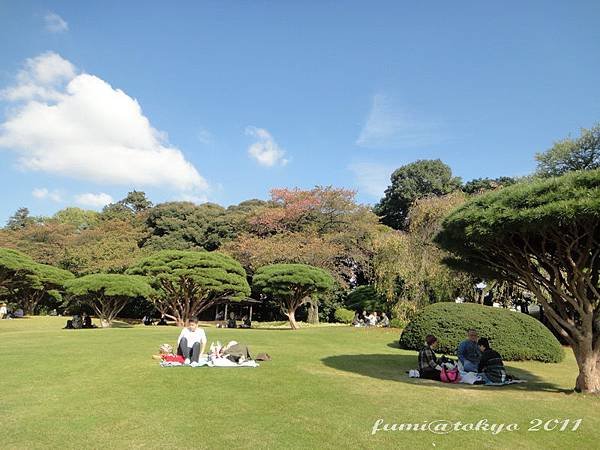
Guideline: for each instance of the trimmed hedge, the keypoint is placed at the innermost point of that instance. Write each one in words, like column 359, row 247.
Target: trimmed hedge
column 343, row 315
column 516, row 336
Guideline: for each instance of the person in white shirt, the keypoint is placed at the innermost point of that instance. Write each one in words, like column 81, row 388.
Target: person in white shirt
column 3, row 311
column 191, row 343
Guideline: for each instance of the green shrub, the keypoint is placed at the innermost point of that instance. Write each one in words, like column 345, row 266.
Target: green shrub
column 516, row 336
column 344, row 315
column 366, row 298
column 397, row 323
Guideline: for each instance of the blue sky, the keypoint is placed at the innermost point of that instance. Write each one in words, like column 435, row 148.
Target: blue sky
column 235, row 98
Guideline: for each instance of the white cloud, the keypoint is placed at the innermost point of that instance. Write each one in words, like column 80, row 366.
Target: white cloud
column 372, row 178
column 388, row 126
column 44, row 193
column 42, row 78
column 79, row 126
column 265, row 150
column 94, row 200
column 197, row 199
column 55, row 23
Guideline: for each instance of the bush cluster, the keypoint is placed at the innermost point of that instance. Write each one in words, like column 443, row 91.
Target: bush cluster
column 516, row 336
column 343, row 315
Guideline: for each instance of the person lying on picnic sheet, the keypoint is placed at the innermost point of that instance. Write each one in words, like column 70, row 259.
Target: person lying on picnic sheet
column 233, row 351
column 491, row 368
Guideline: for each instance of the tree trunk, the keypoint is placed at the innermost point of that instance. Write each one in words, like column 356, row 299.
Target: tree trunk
column 292, row 316
column 588, row 361
column 313, row 312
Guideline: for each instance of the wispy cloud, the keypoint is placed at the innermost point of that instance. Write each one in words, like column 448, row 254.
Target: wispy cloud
column 55, row 24
column 44, row 193
column 265, row 150
column 77, row 125
column 204, row 136
column 390, row 126
column 372, row 178
column 94, row 200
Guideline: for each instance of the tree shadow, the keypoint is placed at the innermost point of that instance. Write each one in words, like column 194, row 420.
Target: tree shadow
column 394, row 368
column 120, row 324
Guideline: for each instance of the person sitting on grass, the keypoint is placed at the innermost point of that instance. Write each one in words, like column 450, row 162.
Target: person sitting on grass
column 491, row 368
column 162, row 321
column 231, row 323
column 429, row 367
column 246, row 322
column 165, row 353
column 190, row 341
column 468, row 352
column 384, row 320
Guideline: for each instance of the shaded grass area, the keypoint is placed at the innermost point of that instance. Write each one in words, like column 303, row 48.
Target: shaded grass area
column 325, row 388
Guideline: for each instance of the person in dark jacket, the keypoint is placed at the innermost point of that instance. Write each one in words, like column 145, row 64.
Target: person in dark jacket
column 428, row 363
column 491, row 368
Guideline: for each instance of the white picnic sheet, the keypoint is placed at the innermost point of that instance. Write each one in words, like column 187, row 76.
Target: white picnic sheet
column 214, row 362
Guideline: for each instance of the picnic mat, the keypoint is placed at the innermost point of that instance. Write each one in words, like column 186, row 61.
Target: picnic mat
column 214, row 362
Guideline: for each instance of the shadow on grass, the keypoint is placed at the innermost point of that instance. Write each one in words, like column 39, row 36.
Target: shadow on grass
column 394, row 368
column 121, row 324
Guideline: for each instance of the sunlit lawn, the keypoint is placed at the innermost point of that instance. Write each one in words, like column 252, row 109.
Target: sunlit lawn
column 324, row 388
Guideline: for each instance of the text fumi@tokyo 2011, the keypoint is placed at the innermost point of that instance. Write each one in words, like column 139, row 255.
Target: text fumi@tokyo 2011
column 441, row 426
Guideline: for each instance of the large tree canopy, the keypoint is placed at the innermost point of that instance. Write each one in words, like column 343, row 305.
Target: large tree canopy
column 408, row 183
column 184, row 225
column 188, row 282
column 28, row 281
column 567, row 155
column 292, row 285
column 544, row 236
column 108, row 294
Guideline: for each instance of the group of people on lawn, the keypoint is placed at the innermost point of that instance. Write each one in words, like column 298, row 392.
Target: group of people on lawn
column 373, row 319
column 474, row 355
column 191, row 346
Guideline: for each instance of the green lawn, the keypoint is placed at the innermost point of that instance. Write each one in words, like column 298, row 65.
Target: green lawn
column 325, row 388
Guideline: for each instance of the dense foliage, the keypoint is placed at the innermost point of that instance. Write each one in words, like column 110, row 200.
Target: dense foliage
column 408, row 267
column 416, row 180
column 567, row 155
column 514, row 335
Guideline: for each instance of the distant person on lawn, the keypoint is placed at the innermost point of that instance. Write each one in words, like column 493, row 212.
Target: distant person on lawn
column 491, row 368
column 191, row 343
column 384, row 320
column 428, row 363
column 3, row 311
column 468, row 352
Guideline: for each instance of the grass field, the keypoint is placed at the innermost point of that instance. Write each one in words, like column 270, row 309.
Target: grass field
column 324, row 388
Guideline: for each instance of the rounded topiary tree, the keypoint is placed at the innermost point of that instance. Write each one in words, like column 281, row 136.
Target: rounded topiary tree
column 28, row 281
column 107, row 293
column 545, row 237
column 292, row 285
column 344, row 315
column 366, row 298
column 188, row 282
column 516, row 336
